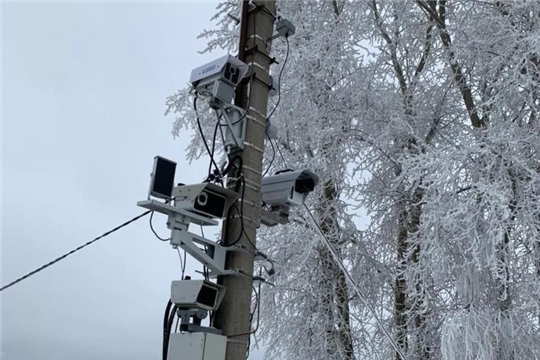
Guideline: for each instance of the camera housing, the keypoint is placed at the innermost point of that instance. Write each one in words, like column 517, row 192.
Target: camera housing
column 218, row 79
column 289, row 188
column 206, row 199
column 197, row 294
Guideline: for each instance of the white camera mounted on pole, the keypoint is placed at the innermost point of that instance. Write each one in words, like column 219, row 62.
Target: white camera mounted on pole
column 217, row 81
column 283, row 190
column 199, row 204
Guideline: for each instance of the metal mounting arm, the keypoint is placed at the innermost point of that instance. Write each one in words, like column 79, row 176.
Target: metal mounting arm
column 212, row 255
column 188, row 216
column 235, row 119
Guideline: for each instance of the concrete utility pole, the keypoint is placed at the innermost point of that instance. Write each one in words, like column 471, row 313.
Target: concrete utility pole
column 233, row 315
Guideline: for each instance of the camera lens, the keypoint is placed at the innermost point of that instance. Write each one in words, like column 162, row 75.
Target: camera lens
column 304, row 184
column 202, row 199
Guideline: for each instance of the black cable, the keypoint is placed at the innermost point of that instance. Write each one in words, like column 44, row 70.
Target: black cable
column 242, row 226
column 274, row 110
column 168, row 330
column 184, row 268
column 171, row 319
column 235, row 158
column 154, row 231
column 219, row 116
column 252, row 76
column 239, row 174
column 251, row 315
column 241, row 229
column 213, row 147
column 202, row 133
column 165, row 348
column 240, row 212
column 279, row 80
column 248, row 238
column 31, row 273
column 273, row 156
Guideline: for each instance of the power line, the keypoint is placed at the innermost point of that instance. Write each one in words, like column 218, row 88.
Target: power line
column 31, row 273
column 354, row 285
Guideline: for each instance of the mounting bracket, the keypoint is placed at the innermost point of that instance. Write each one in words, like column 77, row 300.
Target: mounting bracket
column 235, row 135
column 206, row 251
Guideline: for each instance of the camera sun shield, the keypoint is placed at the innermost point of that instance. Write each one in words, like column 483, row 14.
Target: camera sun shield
column 205, row 199
column 201, row 294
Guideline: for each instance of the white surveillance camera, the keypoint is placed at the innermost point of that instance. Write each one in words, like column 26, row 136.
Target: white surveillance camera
column 218, row 79
column 288, row 188
column 197, row 294
column 205, row 199
column 227, row 68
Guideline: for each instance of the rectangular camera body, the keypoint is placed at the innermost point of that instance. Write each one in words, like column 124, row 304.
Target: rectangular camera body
column 288, row 188
column 219, row 78
column 206, row 199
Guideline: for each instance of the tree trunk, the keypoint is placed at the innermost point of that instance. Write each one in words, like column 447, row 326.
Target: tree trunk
column 333, row 285
column 400, row 314
column 422, row 348
column 400, row 286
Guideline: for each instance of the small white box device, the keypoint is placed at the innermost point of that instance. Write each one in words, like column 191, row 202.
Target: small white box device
column 197, row 346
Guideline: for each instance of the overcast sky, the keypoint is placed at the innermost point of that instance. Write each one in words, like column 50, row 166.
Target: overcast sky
column 83, row 93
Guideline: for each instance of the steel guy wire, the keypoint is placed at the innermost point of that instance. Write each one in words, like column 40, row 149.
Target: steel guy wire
column 354, row 285
column 31, row 273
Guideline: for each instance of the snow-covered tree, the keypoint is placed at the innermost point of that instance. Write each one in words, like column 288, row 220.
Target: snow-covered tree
column 424, row 115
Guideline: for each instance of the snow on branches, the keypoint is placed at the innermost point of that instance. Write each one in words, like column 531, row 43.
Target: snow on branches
column 421, row 119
